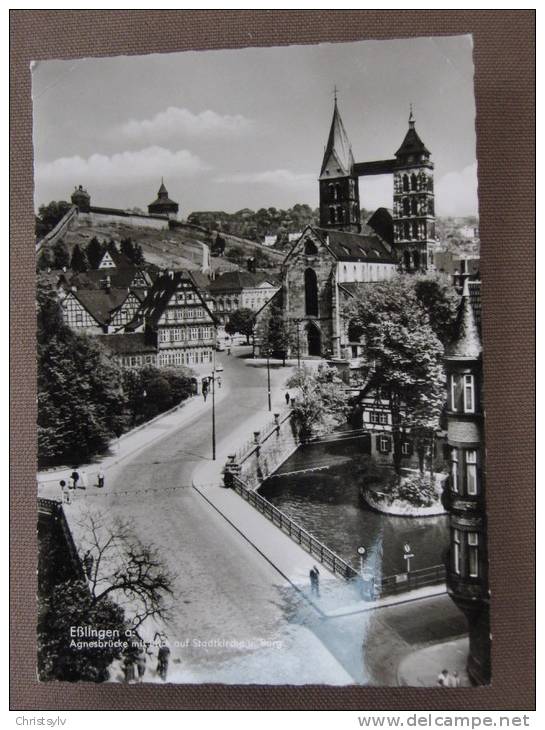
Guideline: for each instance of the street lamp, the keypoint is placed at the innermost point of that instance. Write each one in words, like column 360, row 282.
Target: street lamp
column 214, row 408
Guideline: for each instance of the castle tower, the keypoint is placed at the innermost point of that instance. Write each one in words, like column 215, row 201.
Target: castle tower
column 414, row 207
column 339, row 190
column 163, row 205
column 467, row 561
column 81, row 198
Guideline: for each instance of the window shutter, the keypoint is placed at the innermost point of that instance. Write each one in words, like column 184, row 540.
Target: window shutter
column 377, row 442
column 388, row 445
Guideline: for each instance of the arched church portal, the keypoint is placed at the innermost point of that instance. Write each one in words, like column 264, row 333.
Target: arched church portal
column 314, row 339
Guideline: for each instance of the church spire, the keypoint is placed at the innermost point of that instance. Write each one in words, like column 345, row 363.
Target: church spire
column 338, row 159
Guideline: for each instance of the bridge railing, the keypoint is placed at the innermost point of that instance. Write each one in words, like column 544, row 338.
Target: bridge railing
column 299, row 535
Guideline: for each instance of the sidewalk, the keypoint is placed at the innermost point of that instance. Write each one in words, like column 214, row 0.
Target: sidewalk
column 337, row 597
column 421, row 668
column 130, row 443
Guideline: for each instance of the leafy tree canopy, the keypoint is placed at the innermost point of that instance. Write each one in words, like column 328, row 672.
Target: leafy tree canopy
column 321, row 402
column 241, row 321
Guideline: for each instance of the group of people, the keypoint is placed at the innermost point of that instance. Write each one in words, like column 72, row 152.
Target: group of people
column 446, row 679
column 78, row 480
column 134, row 666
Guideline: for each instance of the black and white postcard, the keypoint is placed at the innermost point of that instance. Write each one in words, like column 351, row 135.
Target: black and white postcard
column 260, row 397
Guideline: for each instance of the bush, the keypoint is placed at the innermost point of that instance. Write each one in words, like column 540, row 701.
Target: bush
column 416, row 490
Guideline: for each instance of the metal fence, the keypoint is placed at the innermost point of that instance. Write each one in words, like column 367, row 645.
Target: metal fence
column 303, row 538
column 376, row 588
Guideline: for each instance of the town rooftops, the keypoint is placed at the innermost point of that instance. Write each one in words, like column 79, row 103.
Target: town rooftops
column 238, row 280
column 95, row 278
column 356, row 246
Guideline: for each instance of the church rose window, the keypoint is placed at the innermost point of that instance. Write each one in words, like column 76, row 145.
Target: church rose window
column 311, row 293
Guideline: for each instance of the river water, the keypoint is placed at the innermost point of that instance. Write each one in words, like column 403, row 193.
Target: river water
column 326, row 502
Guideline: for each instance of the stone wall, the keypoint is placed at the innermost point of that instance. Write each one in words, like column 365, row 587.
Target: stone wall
column 59, row 230
column 138, row 221
column 261, row 455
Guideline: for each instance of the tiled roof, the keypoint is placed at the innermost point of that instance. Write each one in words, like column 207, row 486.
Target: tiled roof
column 119, row 278
column 412, row 144
column 381, row 223
column 355, row 246
column 161, row 293
column 127, row 344
column 161, row 202
column 100, row 303
column 238, row 280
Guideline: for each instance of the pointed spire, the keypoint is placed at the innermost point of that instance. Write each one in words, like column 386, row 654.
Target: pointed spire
column 466, row 344
column 338, row 158
column 162, row 190
column 412, row 144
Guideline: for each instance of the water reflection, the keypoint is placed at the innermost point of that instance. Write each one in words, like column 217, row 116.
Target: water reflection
column 327, row 503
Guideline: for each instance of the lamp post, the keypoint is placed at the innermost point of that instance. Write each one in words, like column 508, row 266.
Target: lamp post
column 214, row 408
column 361, row 553
column 269, row 380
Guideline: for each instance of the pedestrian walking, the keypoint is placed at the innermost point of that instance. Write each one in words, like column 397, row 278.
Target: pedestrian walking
column 65, row 492
column 128, row 670
column 83, row 479
column 141, row 666
column 455, row 680
column 287, row 397
column 219, row 381
column 100, row 478
column 162, row 661
column 74, row 478
column 315, row 580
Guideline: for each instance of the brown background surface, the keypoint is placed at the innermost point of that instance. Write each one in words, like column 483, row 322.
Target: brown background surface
column 504, row 52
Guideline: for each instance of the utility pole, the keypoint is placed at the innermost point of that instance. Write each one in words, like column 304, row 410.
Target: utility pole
column 214, row 409
column 269, row 380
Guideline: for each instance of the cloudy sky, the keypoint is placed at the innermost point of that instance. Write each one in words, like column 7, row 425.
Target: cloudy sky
column 247, row 128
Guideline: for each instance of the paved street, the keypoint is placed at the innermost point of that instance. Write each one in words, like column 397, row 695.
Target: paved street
column 236, row 618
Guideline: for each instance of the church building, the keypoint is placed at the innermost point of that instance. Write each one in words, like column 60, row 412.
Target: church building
column 329, row 262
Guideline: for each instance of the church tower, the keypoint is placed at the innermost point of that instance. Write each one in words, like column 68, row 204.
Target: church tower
column 414, row 206
column 339, row 190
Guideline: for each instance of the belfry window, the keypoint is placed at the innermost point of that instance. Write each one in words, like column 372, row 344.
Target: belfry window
column 310, row 248
column 413, row 182
column 406, row 206
column 405, row 183
column 414, row 206
column 311, row 293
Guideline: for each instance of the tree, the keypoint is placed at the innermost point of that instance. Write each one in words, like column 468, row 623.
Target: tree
column 275, row 335
column 124, row 569
column 81, row 402
column 241, row 321
column 94, row 252
column 405, row 357
column 49, row 215
column 321, row 402
column 61, row 256
column 79, row 260
column 440, row 300
column 69, row 605
column 45, row 259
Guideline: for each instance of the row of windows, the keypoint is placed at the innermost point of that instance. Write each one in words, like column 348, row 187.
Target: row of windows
column 384, row 445
column 414, row 206
column 463, row 471
column 185, row 357
column 181, row 334
column 132, row 361
column 462, row 393
column 337, row 214
column 416, row 183
column 411, row 231
column 367, row 272
column 379, row 417
column 465, row 553
column 175, row 315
